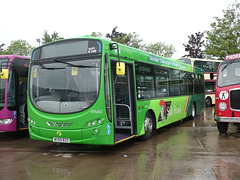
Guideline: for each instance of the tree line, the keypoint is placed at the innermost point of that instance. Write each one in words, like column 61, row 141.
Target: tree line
column 222, row 39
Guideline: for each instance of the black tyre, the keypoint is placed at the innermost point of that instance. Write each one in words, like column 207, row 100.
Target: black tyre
column 208, row 101
column 148, row 126
column 222, row 127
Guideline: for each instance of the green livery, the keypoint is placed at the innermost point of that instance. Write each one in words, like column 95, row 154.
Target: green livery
column 75, row 94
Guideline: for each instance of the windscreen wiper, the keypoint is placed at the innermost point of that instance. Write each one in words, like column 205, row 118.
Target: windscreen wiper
column 226, row 66
column 44, row 67
column 73, row 65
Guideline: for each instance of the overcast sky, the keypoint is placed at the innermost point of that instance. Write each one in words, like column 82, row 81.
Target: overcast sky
column 169, row 21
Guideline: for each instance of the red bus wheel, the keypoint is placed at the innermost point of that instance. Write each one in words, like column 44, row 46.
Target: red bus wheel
column 222, row 127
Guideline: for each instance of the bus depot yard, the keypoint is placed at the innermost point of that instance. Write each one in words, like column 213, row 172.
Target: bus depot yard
column 189, row 149
column 111, row 97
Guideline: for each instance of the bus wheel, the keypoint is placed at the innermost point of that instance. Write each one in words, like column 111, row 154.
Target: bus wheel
column 148, row 126
column 208, row 101
column 193, row 111
column 222, row 127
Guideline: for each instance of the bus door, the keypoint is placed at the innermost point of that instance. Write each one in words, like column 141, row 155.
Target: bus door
column 124, row 103
column 21, row 74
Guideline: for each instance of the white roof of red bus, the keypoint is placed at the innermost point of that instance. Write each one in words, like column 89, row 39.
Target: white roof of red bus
column 232, row 56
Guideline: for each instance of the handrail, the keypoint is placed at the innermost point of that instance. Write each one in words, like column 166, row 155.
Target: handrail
column 130, row 113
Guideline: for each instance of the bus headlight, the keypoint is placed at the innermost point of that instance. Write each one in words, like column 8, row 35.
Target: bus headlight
column 222, row 106
column 5, row 121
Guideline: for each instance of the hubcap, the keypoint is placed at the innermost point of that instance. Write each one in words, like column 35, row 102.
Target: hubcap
column 148, row 124
column 193, row 111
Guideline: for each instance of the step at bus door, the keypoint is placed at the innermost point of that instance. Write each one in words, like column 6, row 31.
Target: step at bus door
column 123, row 100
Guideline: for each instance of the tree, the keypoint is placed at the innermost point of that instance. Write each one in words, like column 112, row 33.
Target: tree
column 160, row 49
column 49, row 38
column 1, row 48
column 224, row 38
column 194, row 46
column 117, row 36
column 96, row 34
column 19, row 47
column 130, row 39
column 134, row 41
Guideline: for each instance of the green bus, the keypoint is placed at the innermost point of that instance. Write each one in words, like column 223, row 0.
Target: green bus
column 89, row 90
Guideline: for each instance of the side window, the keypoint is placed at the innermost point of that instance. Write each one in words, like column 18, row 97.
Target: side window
column 198, row 84
column 162, row 86
column 198, row 64
column 215, row 66
column 183, row 82
column 145, row 81
column 207, row 66
column 174, row 77
column 161, row 80
column 191, row 76
column 156, row 81
column 202, row 84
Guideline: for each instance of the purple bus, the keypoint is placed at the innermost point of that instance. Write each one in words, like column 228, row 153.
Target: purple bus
column 13, row 69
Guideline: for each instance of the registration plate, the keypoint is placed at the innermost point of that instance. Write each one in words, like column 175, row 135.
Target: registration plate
column 61, row 140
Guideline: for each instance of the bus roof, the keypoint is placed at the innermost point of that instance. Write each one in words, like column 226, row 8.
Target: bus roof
column 200, row 59
column 14, row 56
column 130, row 53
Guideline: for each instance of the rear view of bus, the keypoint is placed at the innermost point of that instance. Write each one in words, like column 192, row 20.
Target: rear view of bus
column 228, row 93
column 13, row 68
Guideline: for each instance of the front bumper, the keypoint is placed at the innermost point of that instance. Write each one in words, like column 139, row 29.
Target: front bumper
column 227, row 119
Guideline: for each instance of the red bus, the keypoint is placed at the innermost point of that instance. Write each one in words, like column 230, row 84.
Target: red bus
column 227, row 93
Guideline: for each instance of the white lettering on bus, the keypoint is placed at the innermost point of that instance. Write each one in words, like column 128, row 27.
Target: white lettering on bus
column 96, row 111
column 167, row 62
column 153, row 59
column 232, row 56
column 177, row 110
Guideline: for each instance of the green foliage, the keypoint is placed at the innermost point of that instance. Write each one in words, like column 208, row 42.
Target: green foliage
column 96, row 34
column 19, row 47
column 49, row 38
column 224, row 38
column 160, row 49
column 1, row 48
column 132, row 40
column 194, row 45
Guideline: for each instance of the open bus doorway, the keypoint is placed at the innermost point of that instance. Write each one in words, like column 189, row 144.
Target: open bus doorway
column 20, row 74
column 123, row 103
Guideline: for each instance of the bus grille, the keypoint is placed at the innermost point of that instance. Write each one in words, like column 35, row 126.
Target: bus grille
column 235, row 99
